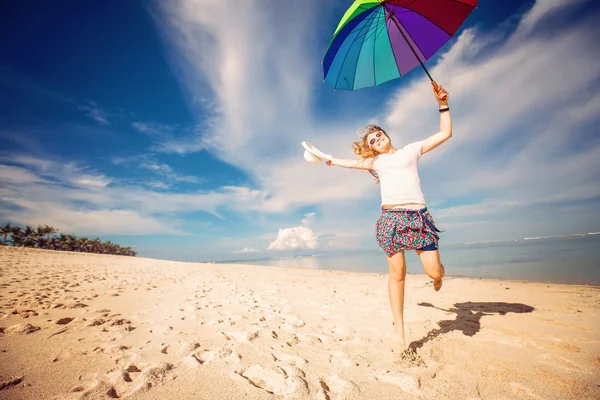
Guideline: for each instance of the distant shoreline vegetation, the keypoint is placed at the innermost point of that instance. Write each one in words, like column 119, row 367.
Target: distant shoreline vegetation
column 47, row 237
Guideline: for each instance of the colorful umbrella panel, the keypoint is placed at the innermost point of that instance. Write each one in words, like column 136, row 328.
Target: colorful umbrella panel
column 377, row 41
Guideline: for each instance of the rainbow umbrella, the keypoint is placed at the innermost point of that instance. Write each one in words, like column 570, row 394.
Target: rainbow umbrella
column 380, row 40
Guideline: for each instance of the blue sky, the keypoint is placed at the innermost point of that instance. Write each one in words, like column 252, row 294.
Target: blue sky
column 175, row 126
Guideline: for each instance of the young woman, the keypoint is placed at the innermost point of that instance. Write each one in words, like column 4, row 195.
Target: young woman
column 405, row 223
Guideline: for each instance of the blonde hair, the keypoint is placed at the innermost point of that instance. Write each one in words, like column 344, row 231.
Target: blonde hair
column 362, row 148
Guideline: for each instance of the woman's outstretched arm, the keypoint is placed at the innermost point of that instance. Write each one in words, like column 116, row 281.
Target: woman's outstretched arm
column 445, row 132
column 361, row 163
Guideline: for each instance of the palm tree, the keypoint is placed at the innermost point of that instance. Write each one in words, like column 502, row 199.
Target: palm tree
column 54, row 244
column 67, row 242
column 6, row 230
column 44, row 232
column 96, row 246
column 29, row 236
column 18, row 237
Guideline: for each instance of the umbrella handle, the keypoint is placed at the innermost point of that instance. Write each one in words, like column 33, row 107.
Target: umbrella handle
column 436, row 87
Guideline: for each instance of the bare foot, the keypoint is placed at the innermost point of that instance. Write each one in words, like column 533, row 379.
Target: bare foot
column 399, row 344
column 437, row 284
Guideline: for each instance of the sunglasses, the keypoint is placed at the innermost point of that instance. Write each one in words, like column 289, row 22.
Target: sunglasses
column 372, row 141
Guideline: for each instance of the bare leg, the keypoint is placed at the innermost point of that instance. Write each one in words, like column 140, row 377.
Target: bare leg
column 433, row 266
column 396, row 280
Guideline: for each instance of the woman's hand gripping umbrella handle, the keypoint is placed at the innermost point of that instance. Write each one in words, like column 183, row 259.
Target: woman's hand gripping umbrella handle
column 437, row 88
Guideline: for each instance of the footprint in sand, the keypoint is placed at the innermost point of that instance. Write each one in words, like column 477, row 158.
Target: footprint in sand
column 222, row 354
column 276, row 380
column 118, row 324
column 240, row 336
column 23, row 329
column 289, row 359
column 96, row 322
column 77, row 305
column 340, row 359
column 292, row 339
column 182, row 347
column 336, row 388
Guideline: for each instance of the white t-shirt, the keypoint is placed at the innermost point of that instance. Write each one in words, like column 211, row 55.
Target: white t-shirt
column 399, row 176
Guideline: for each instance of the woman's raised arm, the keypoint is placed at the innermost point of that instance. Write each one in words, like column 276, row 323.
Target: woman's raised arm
column 445, row 132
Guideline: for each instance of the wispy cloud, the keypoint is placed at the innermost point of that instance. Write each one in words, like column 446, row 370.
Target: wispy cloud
column 173, row 139
column 75, row 198
column 255, row 99
column 94, row 112
column 166, row 171
column 148, row 162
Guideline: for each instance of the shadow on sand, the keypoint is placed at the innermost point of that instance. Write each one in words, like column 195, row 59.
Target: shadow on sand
column 467, row 318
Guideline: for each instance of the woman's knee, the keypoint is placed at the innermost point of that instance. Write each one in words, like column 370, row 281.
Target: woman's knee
column 398, row 274
column 397, row 267
column 436, row 271
column 436, row 274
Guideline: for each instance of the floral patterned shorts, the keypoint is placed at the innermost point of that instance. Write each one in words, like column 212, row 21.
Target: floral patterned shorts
column 401, row 229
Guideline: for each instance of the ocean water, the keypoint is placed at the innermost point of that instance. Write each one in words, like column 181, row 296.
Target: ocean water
column 571, row 260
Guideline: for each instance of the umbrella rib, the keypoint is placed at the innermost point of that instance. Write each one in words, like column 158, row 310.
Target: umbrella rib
column 413, row 39
column 393, row 52
column 370, row 24
column 375, row 28
column 374, row 47
column 400, row 26
column 368, row 27
column 375, row 34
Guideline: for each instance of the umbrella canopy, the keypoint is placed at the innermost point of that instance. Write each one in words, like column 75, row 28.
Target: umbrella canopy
column 380, row 40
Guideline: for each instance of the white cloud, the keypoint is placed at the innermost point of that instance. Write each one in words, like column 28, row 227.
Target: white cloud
column 299, row 237
column 92, row 181
column 543, row 9
column 245, row 250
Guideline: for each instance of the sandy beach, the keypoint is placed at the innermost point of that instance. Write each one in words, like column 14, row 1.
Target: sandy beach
column 86, row 326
